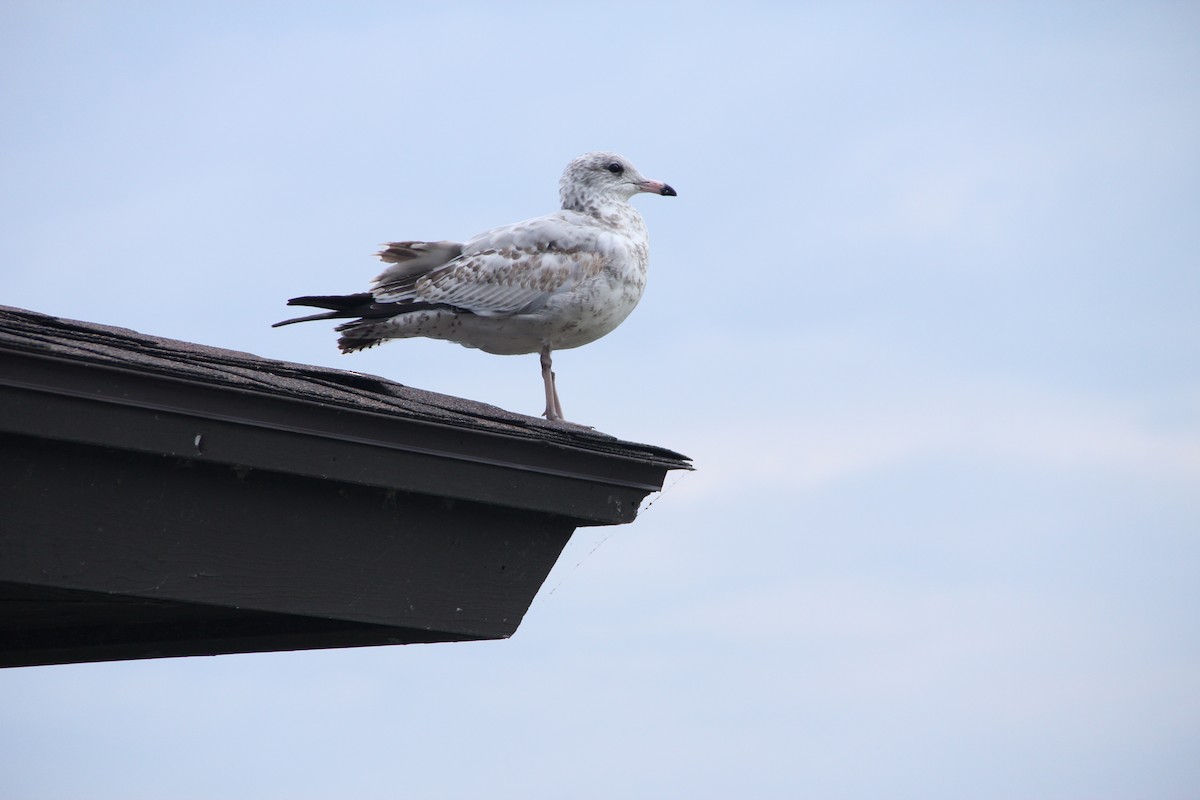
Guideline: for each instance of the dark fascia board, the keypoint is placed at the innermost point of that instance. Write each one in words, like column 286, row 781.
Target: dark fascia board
column 104, row 546
column 91, row 384
column 44, row 625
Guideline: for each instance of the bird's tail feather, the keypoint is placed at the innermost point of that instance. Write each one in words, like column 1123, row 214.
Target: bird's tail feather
column 368, row 320
column 342, row 306
column 363, row 313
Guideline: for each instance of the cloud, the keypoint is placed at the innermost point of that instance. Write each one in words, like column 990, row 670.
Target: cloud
column 876, row 408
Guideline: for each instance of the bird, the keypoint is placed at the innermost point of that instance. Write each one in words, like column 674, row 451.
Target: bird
column 549, row 283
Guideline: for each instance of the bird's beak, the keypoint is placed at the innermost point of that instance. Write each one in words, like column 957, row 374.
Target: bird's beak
column 656, row 187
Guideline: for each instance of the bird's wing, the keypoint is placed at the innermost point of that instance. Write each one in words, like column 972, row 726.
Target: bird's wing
column 412, row 259
column 504, row 271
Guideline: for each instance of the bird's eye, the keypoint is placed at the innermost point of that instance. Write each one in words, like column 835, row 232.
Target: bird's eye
column 615, row 168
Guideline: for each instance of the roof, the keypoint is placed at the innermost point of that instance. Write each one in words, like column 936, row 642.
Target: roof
column 61, row 356
column 163, row 498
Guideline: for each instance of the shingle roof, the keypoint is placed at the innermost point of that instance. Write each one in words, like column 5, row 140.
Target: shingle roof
column 164, row 498
column 23, row 331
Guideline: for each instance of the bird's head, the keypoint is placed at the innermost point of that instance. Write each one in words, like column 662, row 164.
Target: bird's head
column 596, row 178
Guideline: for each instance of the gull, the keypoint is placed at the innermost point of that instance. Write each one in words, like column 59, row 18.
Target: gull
column 549, row 283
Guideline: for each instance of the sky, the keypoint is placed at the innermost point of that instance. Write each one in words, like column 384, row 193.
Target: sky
column 924, row 314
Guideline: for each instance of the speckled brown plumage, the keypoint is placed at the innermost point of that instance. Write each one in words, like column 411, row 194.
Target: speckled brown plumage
column 549, row 283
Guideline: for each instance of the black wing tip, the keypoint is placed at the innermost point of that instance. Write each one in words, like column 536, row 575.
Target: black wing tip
column 309, row 318
column 337, row 302
column 339, row 306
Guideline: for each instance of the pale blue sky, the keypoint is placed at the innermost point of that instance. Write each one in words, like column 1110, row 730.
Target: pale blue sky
column 924, row 313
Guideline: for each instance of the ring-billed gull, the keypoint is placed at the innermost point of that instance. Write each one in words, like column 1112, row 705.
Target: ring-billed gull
column 549, row 283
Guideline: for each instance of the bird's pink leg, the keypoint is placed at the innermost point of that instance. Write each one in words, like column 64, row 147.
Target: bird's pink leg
column 557, row 405
column 553, row 410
